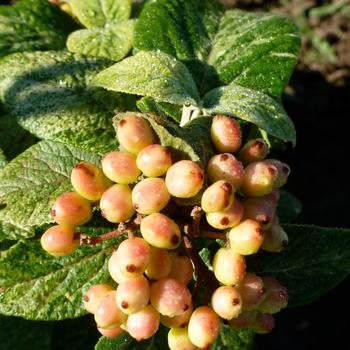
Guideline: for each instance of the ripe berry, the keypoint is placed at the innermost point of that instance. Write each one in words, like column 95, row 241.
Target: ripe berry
column 116, row 205
column 120, row 167
column 181, row 268
column 243, row 320
column 115, row 272
column 283, row 171
column 134, row 133
column 59, row 240
column 159, row 264
column 184, row 179
column 154, row 160
column 276, row 296
column 160, row 231
column 89, row 181
column 71, row 209
column 93, row 296
column 226, row 134
column 246, row 238
column 178, row 339
column 263, row 323
column 252, row 291
column 227, row 302
column 203, row 327
column 111, row 333
column 218, row 197
column 276, row 239
column 150, row 196
column 229, row 267
column 226, row 167
column 177, row 321
column 254, row 151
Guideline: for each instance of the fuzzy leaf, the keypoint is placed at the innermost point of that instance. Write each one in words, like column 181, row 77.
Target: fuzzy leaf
column 33, row 25
column 252, row 106
column 113, row 41
column 37, row 286
column 31, row 182
column 289, row 207
column 316, row 260
column 153, row 74
column 231, row 339
column 3, row 160
column 96, row 13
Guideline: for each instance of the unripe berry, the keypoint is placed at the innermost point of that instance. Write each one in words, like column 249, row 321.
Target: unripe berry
column 283, row 171
column 229, row 267
column 227, row 302
column 150, row 196
column 116, row 205
column 71, row 209
column 254, row 151
column 111, row 333
column 263, row 323
column 177, row 321
column 226, row 167
column 252, row 291
column 108, row 315
column 59, row 240
column 160, row 231
column 134, row 133
column 244, row 320
column 276, row 239
column 226, row 134
column 181, row 268
column 133, row 295
column 246, row 238
column 94, row 295
column 120, row 167
column 276, row 296
column 259, row 179
column 228, row 218
column 159, row 265
column 170, row 297
column 203, row 327
column 178, row 339
column 131, row 257
column 89, row 181
column 218, row 197
column 184, row 179
column 144, row 323
column 154, row 160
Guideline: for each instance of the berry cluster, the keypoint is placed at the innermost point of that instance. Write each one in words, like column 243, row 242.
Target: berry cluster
column 142, row 189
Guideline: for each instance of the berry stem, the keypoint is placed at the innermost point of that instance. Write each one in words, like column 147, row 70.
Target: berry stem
column 92, row 241
column 196, row 215
column 214, row 235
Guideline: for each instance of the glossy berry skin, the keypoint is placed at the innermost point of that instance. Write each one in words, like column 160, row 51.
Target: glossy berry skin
column 178, row 339
column 144, row 323
column 93, row 296
column 226, row 167
column 133, row 295
column 59, row 240
column 226, row 134
column 227, row 218
column 71, row 209
column 283, row 171
column 252, row 291
column 108, row 315
column 150, row 195
column 134, row 133
column 229, row 267
column 246, row 238
column 170, row 297
column 259, row 179
column 254, row 151
column 116, row 204
column 263, row 323
column 160, row 231
column 227, row 302
column 131, row 257
column 89, row 181
column 159, row 265
column 276, row 296
column 244, row 320
column 177, row 321
column 120, row 167
column 184, row 179
column 276, row 239
column 203, row 327
column 115, row 272
column 154, row 160
column 181, row 268
column 218, row 197
column 111, row 333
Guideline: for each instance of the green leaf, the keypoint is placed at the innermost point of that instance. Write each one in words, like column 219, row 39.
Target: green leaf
column 47, row 92
column 252, row 106
column 37, row 286
column 31, row 182
column 96, row 13
column 254, row 50
column 190, row 142
column 316, row 260
column 33, row 25
column 11, row 232
column 289, row 207
column 113, row 41
column 3, row 160
column 153, row 74
column 231, row 339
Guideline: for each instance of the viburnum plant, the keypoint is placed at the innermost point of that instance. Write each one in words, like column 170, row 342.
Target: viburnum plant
column 140, row 178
